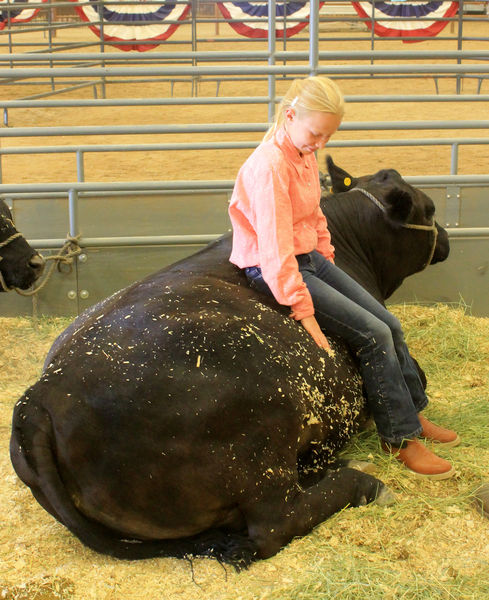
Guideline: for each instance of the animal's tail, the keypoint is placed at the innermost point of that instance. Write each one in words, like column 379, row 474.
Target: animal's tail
column 33, row 457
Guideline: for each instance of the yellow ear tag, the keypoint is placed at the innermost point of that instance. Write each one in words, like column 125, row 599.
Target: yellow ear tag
column 347, row 181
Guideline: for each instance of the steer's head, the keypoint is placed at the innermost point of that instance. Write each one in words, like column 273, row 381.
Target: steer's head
column 393, row 222
column 20, row 264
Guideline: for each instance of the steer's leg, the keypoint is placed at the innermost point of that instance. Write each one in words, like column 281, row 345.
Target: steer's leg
column 287, row 511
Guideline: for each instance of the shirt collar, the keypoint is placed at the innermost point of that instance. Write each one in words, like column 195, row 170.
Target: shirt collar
column 283, row 141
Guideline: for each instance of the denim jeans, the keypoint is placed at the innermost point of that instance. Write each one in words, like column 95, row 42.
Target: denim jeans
column 394, row 390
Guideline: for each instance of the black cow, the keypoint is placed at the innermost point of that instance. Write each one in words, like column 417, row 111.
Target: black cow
column 20, row 265
column 188, row 415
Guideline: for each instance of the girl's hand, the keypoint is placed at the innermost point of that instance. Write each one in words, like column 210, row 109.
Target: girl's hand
column 312, row 327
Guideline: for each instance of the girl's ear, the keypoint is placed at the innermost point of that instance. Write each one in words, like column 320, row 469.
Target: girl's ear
column 341, row 181
column 289, row 114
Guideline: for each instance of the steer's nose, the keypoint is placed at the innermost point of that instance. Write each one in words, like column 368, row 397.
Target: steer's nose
column 36, row 263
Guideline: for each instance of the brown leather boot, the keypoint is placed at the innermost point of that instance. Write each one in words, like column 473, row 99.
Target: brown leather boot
column 421, row 461
column 439, row 435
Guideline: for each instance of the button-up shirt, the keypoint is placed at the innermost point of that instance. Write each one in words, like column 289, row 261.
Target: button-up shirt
column 275, row 215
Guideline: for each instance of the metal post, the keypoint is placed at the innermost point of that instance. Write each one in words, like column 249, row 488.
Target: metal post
column 100, row 10
column 50, row 42
column 195, row 78
column 460, row 40
column 271, row 57
column 73, row 212
column 80, row 167
column 10, row 44
column 313, row 37
column 284, row 37
column 372, row 34
column 73, row 232
column 454, row 159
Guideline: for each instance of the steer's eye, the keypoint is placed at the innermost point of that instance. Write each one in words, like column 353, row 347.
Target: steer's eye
column 429, row 211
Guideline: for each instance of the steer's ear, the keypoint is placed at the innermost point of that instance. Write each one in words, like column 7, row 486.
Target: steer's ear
column 341, row 181
column 399, row 205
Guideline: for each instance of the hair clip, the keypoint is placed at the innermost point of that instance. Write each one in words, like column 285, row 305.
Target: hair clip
column 294, row 102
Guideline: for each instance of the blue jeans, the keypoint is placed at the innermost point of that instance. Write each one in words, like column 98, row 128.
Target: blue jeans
column 394, row 390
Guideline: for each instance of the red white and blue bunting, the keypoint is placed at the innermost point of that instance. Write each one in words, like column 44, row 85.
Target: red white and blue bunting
column 17, row 15
column 133, row 24
column 404, row 17
column 254, row 17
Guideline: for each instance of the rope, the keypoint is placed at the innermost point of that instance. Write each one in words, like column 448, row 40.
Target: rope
column 370, row 197
column 3, row 284
column 10, row 239
column 426, row 228
column 65, row 256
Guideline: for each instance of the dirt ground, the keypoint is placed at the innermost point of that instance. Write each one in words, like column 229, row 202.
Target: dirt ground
column 41, row 560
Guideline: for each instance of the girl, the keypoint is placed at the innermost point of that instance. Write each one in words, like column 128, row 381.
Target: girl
column 281, row 240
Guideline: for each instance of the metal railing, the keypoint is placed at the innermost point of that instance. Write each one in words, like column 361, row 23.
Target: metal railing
column 55, row 67
column 79, row 151
column 74, row 190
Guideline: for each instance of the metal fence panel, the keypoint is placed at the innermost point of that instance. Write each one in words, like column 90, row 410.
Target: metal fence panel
column 107, row 270
column 152, row 215
column 463, row 277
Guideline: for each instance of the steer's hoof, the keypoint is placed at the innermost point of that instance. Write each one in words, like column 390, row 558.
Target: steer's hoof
column 385, row 497
column 481, row 500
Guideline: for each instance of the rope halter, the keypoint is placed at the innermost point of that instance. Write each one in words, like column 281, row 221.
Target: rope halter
column 65, row 256
column 431, row 227
column 13, row 237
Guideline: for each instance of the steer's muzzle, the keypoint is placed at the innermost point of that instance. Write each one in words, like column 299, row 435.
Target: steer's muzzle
column 442, row 248
column 20, row 273
column 37, row 263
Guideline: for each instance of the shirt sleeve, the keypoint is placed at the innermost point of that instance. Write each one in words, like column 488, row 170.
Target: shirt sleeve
column 324, row 237
column 273, row 224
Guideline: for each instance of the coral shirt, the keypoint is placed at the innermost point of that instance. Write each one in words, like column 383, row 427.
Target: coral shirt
column 275, row 215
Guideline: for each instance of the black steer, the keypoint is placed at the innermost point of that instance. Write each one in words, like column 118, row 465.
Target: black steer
column 188, row 415
column 20, row 265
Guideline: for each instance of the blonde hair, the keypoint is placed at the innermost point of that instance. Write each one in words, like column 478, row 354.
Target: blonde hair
column 315, row 93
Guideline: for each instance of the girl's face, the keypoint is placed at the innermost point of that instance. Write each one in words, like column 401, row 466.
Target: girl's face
column 312, row 130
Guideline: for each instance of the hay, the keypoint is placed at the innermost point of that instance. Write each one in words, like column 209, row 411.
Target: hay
column 431, row 544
